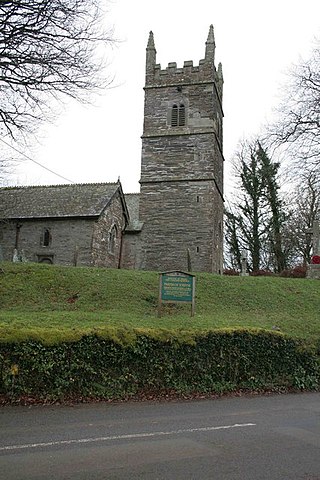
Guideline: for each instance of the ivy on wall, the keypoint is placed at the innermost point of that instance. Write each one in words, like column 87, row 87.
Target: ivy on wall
column 135, row 362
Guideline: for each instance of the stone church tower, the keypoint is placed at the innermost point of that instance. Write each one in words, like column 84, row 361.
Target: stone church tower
column 181, row 196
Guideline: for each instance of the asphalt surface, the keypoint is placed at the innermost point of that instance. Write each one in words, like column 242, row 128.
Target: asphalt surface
column 247, row 438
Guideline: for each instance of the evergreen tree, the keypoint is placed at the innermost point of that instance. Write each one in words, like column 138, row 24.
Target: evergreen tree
column 256, row 218
column 232, row 239
column 269, row 173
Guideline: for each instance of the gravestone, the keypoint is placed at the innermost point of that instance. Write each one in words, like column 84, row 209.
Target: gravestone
column 313, row 269
column 19, row 256
column 244, row 263
column 15, row 257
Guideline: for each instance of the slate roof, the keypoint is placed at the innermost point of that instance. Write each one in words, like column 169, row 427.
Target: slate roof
column 77, row 200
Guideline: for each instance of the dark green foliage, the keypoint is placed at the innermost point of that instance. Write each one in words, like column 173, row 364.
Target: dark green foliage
column 269, row 173
column 256, row 215
column 157, row 362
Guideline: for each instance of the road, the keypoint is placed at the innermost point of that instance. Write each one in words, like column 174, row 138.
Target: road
column 248, row 438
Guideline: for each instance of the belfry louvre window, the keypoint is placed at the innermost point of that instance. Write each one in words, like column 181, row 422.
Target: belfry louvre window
column 182, row 115
column 178, row 115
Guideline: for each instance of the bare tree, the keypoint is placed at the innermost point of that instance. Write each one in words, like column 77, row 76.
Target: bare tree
column 298, row 126
column 305, row 203
column 49, row 49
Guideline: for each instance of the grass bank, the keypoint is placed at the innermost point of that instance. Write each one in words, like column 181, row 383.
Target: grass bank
column 50, row 303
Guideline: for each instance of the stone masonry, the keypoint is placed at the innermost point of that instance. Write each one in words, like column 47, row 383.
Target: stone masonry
column 181, row 198
column 174, row 223
column 63, row 224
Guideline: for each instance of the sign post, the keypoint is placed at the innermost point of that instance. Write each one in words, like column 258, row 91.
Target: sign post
column 177, row 287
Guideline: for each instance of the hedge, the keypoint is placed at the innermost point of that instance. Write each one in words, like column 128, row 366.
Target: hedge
column 138, row 362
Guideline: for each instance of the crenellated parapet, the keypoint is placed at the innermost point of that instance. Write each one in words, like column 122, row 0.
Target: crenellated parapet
column 205, row 72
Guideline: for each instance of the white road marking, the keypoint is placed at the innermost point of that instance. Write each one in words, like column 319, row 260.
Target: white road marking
column 124, row 437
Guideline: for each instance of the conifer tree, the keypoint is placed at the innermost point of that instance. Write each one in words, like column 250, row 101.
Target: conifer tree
column 269, row 172
column 255, row 220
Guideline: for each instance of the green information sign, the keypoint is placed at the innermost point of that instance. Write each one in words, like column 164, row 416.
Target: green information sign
column 177, row 287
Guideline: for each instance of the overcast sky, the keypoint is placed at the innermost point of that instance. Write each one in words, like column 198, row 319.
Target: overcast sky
column 256, row 42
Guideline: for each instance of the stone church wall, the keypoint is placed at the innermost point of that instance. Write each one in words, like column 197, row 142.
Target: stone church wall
column 66, row 241
column 103, row 254
column 70, row 240
column 131, row 251
column 183, row 227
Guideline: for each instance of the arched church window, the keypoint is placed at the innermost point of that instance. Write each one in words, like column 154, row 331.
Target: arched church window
column 178, row 115
column 46, row 238
column 112, row 239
